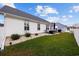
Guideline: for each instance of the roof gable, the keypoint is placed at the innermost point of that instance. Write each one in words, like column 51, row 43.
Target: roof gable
column 10, row 10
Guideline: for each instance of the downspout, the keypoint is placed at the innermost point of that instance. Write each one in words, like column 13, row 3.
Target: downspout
column 54, row 26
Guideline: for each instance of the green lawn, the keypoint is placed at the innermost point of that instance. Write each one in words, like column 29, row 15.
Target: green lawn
column 53, row 45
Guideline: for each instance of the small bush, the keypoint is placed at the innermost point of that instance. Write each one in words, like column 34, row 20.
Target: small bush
column 10, row 43
column 15, row 36
column 51, row 32
column 59, row 30
column 36, row 34
column 27, row 34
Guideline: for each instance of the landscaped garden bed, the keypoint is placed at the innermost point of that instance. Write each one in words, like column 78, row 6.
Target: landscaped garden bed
column 54, row 45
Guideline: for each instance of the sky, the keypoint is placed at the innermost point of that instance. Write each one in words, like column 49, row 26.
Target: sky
column 65, row 13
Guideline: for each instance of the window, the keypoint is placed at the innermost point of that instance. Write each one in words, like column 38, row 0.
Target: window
column 47, row 27
column 54, row 25
column 26, row 25
column 38, row 26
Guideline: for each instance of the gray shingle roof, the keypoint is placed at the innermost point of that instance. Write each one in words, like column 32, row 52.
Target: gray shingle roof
column 7, row 9
column 59, row 24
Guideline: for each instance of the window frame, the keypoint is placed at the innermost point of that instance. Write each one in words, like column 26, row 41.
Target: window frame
column 26, row 26
column 47, row 27
column 38, row 27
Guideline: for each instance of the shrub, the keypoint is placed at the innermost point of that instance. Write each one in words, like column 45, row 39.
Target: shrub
column 27, row 34
column 51, row 32
column 10, row 43
column 15, row 36
column 36, row 34
column 59, row 30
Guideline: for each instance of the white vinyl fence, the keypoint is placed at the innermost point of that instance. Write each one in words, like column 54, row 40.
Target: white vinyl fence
column 76, row 35
column 2, row 38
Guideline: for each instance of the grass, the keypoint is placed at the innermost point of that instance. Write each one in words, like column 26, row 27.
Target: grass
column 62, row 44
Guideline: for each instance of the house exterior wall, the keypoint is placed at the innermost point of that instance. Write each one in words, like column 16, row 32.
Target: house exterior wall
column 33, row 28
column 43, row 28
column 14, row 25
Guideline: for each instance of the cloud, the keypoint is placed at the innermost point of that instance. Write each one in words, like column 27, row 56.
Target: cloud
column 75, row 8
column 29, row 8
column 53, row 19
column 39, row 9
column 45, row 10
column 59, row 19
column 50, row 10
column 66, row 17
column 70, row 16
column 8, row 4
column 70, row 11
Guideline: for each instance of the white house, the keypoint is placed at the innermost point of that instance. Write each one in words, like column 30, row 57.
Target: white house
column 58, row 26
column 19, row 22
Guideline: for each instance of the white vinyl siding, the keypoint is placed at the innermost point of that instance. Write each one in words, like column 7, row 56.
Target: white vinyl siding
column 14, row 26
column 33, row 28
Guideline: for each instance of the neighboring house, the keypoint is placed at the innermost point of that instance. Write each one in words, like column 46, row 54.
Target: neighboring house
column 76, row 26
column 73, row 27
column 19, row 22
column 58, row 26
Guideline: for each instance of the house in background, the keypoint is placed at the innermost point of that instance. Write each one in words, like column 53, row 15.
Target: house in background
column 19, row 22
column 58, row 26
column 74, row 27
